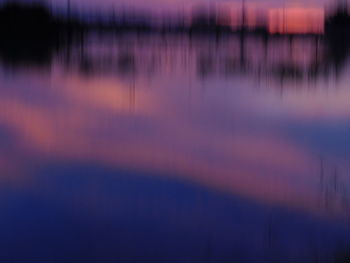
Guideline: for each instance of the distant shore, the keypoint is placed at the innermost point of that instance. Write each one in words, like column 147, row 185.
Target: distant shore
column 38, row 21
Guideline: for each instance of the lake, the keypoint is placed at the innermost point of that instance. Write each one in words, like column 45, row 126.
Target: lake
column 169, row 148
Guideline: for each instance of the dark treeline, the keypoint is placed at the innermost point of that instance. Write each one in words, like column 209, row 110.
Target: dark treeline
column 33, row 33
column 37, row 21
column 29, row 32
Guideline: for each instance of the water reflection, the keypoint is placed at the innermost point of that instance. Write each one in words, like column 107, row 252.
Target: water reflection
column 80, row 211
column 225, row 149
column 300, row 58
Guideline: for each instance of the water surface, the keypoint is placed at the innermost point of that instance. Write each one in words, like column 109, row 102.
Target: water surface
column 176, row 149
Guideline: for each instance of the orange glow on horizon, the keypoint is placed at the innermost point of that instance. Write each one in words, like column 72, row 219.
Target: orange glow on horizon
column 295, row 20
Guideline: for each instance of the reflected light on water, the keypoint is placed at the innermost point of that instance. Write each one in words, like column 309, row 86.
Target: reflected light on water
column 249, row 138
column 239, row 140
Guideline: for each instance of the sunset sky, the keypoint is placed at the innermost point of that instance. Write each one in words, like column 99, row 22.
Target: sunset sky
column 298, row 16
column 156, row 4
